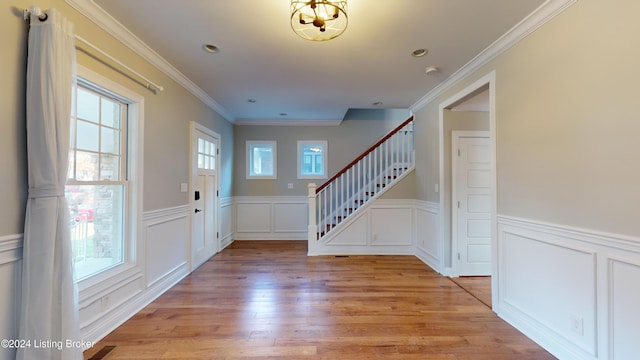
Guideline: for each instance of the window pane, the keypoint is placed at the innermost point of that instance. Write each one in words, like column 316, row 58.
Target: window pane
column 200, row 161
column 88, row 105
column 96, row 224
column 110, row 141
column 72, row 165
column 262, row 164
column 88, row 135
column 200, row 146
column 311, row 155
column 109, row 167
column 86, row 166
column 110, row 112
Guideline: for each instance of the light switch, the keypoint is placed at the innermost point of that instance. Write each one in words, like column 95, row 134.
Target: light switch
column 290, row 186
column 184, row 187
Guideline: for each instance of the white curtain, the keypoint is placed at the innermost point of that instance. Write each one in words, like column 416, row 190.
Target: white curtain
column 48, row 314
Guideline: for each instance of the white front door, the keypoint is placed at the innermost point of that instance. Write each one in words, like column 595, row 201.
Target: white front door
column 472, row 205
column 204, row 196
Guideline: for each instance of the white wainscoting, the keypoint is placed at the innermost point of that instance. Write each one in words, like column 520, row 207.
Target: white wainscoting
column 162, row 262
column 167, row 242
column 10, row 289
column 226, row 222
column 429, row 242
column 270, row 218
column 575, row 292
column 382, row 227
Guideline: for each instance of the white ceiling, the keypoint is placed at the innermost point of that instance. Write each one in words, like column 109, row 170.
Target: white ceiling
column 262, row 58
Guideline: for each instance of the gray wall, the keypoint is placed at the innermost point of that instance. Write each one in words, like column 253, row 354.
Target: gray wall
column 567, row 123
column 345, row 142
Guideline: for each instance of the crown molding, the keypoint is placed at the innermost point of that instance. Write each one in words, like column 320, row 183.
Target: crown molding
column 108, row 23
column 280, row 122
column 543, row 14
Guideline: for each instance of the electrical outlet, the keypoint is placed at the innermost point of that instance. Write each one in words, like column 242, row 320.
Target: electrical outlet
column 577, row 324
column 289, row 185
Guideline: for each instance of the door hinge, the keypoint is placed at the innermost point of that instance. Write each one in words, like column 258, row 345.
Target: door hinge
column 458, row 256
column 217, row 235
column 217, row 151
column 458, row 152
column 217, row 192
column 458, row 204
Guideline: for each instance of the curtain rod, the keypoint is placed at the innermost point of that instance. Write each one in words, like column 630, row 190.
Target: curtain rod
column 145, row 81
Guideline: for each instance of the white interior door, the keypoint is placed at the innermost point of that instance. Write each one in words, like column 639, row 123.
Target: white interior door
column 204, row 197
column 472, row 205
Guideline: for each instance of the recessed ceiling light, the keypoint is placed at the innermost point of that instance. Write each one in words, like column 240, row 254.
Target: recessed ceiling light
column 431, row 70
column 210, row 48
column 419, row 52
column 283, row 114
column 251, row 100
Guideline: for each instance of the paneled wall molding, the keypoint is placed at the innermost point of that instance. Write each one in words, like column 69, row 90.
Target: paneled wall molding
column 105, row 21
column 160, row 215
column 226, row 222
column 270, row 217
column 382, row 227
column 10, row 248
column 427, row 231
column 616, row 241
column 574, row 291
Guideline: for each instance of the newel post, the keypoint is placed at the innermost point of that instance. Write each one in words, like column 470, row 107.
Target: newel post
column 312, row 235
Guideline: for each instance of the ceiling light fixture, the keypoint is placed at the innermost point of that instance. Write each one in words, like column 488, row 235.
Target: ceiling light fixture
column 431, row 70
column 319, row 20
column 210, row 48
column 419, row 52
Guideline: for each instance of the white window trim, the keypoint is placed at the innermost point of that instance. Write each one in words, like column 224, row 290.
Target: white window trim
column 134, row 233
column 248, row 159
column 324, row 143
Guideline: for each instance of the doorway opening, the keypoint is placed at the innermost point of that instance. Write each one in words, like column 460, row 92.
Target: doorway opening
column 204, row 194
column 467, row 164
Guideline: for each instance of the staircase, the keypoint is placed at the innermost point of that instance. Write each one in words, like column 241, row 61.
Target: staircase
column 366, row 178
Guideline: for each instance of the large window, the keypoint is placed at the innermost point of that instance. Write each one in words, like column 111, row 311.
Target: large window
column 312, row 159
column 261, row 160
column 98, row 184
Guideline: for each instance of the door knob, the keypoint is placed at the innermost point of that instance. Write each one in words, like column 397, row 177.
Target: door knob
column 198, row 210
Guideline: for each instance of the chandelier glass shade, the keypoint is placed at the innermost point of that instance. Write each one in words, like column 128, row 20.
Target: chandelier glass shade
column 319, row 20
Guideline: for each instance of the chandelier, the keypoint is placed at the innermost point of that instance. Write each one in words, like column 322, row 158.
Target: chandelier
column 319, row 20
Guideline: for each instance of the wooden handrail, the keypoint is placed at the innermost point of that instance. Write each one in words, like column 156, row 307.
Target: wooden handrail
column 364, row 154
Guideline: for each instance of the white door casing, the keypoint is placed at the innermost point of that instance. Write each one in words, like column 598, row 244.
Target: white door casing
column 471, row 202
column 203, row 194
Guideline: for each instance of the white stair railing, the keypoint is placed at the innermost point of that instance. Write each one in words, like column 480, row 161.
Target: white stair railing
column 360, row 181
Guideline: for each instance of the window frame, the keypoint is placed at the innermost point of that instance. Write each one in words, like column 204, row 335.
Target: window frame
column 133, row 175
column 325, row 165
column 249, row 159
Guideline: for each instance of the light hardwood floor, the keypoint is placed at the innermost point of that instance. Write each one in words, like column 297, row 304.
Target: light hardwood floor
column 478, row 286
column 267, row 299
